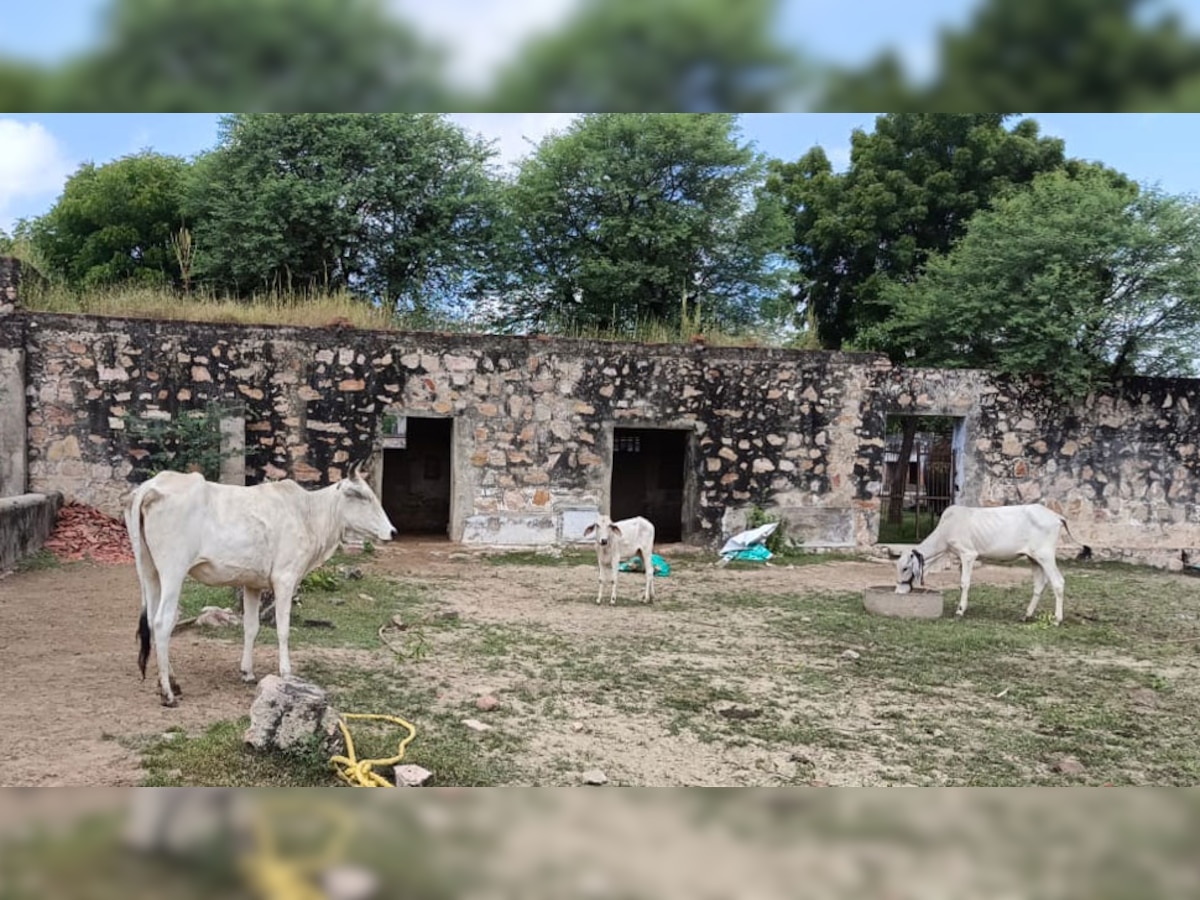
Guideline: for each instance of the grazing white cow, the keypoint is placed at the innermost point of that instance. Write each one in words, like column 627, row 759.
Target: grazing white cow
column 996, row 534
column 619, row 540
column 266, row 536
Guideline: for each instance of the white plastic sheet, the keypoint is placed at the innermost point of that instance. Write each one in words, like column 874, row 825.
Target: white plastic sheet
column 744, row 540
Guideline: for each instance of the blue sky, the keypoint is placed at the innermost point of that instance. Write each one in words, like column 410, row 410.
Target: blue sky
column 38, row 151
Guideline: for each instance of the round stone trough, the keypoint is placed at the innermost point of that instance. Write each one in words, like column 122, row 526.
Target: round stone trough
column 919, row 603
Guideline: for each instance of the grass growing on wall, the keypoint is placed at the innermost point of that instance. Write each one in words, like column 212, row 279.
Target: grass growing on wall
column 309, row 309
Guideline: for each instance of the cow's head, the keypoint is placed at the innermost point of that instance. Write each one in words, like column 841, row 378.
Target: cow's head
column 604, row 530
column 910, row 571
column 362, row 513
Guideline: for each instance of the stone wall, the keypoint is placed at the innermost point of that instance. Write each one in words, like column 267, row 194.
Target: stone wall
column 10, row 283
column 533, row 421
column 25, row 523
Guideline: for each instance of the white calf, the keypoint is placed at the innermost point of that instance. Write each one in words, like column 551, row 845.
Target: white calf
column 620, row 540
column 996, row 534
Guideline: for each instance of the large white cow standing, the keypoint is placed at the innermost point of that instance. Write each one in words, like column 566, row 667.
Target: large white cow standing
column 265, row 536
column 996, row 534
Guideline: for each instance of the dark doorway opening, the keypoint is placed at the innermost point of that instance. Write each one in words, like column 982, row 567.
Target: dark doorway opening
column 648, row 478
column 922, row 475
column 417, row 476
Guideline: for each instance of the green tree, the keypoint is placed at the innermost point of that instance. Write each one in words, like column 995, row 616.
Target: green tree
column 674, row 55
column 281, row 55
column 912, row 186
column 398, row 207
column 628, row 217
column 1069, row 55
column 1082, row 279
column 115, row 222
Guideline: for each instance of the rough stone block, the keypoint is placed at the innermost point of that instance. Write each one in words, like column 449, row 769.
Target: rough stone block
column 288, row 713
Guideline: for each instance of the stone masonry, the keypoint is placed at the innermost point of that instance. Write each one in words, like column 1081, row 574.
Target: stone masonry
column 800, row 433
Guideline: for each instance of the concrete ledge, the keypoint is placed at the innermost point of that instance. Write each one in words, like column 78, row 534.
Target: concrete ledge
column 510, row 529
column 25, row 523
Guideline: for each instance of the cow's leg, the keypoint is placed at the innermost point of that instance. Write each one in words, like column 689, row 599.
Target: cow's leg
column 1039, row 585
column 283, row 622
column 648, row 565
column 616, row 562
column 164, row 623
column 170, row 668
column 251, row 599
column 966, row 561
column 600, row 580
column 1057, row 583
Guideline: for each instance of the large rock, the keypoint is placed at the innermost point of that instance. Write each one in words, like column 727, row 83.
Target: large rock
column 288, row 713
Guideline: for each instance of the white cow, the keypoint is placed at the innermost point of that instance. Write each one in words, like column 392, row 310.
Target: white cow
column 996, row 534
column 620, row 540
column 267, row 536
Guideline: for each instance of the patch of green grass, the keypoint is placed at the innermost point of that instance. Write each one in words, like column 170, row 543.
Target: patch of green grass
column 911, row 529
column 570, row 557
column 357, row 608
column 87, row 860
column 218, row 757
column 456, row 755
column 38, row 561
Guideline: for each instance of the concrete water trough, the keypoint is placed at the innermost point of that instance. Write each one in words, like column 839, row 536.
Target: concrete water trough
column 919, row 603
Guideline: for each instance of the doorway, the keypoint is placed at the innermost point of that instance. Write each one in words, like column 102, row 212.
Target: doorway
column 649, row 467
column 922, row 475
column 417, row 482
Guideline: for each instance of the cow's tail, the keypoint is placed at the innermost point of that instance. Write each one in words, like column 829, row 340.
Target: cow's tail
column 142, row 561
column 1085, row 551
column 143, row 642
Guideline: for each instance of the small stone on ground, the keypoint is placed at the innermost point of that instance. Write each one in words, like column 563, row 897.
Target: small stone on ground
column 594, row 777
column 411, row 776
column 1069, row 765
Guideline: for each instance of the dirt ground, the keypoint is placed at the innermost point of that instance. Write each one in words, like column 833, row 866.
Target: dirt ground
column 71, row 686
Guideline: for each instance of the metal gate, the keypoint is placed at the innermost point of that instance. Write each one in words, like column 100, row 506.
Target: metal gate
column 929, row 487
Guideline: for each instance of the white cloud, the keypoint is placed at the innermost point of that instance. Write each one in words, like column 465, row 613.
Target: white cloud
column 516, row 134
column 33, row 166
column 482, row 35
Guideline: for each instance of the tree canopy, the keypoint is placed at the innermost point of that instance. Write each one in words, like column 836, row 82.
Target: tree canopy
column 397, row 207
column 678, row 55
column 279, row 55
column 1065, row 56
column 115, row 222
column 912, row 186
column 625, row 218
column 1082, row 278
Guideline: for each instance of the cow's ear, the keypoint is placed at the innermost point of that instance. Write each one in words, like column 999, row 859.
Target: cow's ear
column 587, row 532
column 615, row 530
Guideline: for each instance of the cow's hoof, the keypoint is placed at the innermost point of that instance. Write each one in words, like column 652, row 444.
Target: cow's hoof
column 249, row 678
column 169, row 701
